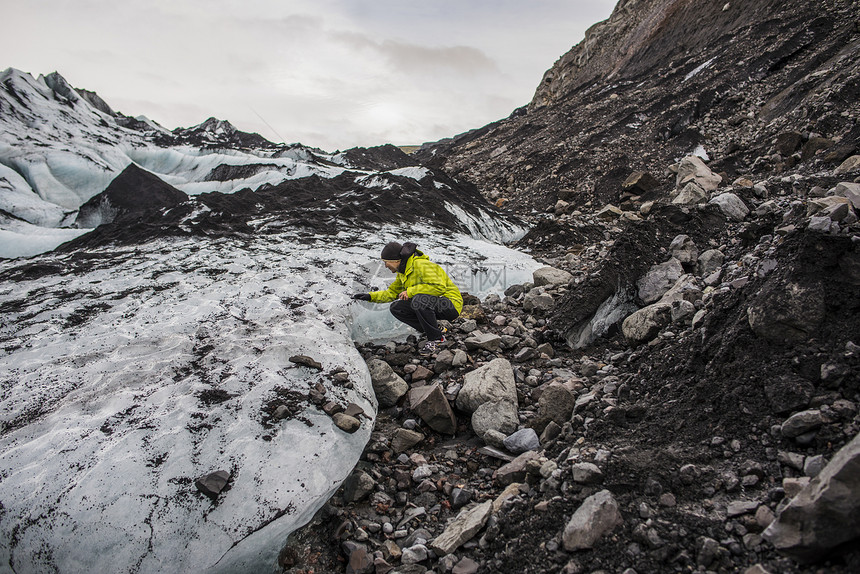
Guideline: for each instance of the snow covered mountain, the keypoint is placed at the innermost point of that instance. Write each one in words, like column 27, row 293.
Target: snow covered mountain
column 155, row 347
column 60, row 147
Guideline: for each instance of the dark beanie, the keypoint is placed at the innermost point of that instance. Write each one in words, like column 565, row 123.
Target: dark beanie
column 391, row 251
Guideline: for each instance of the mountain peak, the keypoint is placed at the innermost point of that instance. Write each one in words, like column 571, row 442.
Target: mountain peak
column 60, row 86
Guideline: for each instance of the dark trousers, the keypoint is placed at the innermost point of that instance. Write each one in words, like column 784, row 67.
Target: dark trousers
column 422, row 311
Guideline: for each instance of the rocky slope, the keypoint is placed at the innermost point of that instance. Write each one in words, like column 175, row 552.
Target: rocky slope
column 680, row 390
column 764, row 88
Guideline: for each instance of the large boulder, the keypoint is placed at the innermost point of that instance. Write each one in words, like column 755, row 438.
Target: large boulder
column 463, row 528
column 709, row 261
column 491, row 383
column 595, row 518
column 483, row 341
column 689, row 195
column 684, row 249
column 693, row 170
column 538, row 301
column 850, row 191
column 646, row 323
column 430, row 404
column 659, row 279
column 731, row 205
column 825, row 514
column 500, row 416
column 387, row 385
column 787, row 312
column 551, row 276
column 554, row 405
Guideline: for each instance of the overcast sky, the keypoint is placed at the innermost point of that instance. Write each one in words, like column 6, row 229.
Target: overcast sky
column 327, row 73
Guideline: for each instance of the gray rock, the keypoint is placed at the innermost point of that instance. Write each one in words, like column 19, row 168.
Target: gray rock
column 499, row 416
column 495, row 438
column 551, row 276
column 708, row 551
column 658, row 280
column 430, row 404
column 538, row 301
column 709, row 262
column 645, row 324
column 682, row 310
column 525, row 354
column 460, row 497
column 686, row 288
column 834, row 207
column 515, row 471
column 554, row 405
column 691, row 194
column 825, row 514
column 790, row 459
column 358, row 486
column 462, row 529
column 731, row 205
column 848, row 165
column 484, row 341
column 387, row 385
column 346, row 423
column 414, row 554
column 741, row 507
column 465, row 566
column 813, row 465
column 460, row 358
column 213, row 483
column 693, row 169
column 404, row 439
column 820, row 224
column 787, row 312
column 801, row 423
column 684, row 249
column 468, row 325
column 444, row 361
column 850, row 191
column 522, row 441
column 492, row 382
column 586, row 473
column 595, row 518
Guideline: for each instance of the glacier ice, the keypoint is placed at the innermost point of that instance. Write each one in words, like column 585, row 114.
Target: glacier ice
column 131, row 372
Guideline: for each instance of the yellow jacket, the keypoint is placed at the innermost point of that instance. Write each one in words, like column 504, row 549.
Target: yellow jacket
column 421, row 276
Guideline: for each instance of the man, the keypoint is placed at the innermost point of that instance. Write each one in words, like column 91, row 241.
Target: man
column 422, row 293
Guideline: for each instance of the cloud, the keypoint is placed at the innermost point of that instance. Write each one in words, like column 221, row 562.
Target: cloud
column 329, row 73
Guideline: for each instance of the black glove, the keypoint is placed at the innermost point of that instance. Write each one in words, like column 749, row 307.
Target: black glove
column 361, row 296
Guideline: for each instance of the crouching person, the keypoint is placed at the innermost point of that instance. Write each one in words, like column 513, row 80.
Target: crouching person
column 422, row 293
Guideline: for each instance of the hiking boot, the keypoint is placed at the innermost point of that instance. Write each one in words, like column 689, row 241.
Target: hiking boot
column 431, row 347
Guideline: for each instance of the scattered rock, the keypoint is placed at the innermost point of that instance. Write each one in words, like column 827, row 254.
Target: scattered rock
column 346, row 423
column 430, row 404
column 825, row 514
column 491, row 383
column 388, row 386
column 595, row 518
column 462, row 529
column 306, row 361
column 213, row 483
column 522, row 441
column 551, row 276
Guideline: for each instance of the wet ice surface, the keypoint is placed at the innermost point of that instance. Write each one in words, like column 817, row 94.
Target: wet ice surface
column 128, row 373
